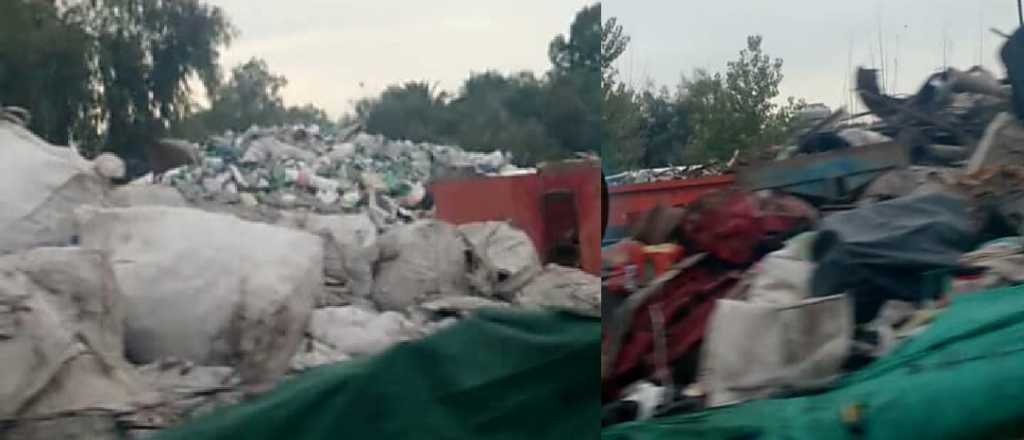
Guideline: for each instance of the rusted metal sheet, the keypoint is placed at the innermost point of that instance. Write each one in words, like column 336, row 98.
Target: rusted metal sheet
column 520, row 200
column 630, row 201
column 832, row 177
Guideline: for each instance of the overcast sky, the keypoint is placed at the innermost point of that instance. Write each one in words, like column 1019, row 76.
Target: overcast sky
column 327, row 48
column 819, row 40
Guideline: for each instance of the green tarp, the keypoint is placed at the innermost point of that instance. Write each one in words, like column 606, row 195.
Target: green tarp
column 496, row 375
column 962, row 378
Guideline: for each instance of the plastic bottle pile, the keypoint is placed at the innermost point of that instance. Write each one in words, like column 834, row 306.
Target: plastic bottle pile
column 300, row 167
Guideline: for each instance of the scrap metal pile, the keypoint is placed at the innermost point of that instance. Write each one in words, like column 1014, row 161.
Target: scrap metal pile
column 128, row 309
column 790, row 306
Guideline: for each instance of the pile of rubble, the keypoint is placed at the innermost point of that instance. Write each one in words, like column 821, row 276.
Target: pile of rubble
column 785, row 308
column 130, row 309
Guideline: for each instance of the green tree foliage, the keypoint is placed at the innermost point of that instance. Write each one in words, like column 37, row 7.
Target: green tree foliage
column 109, row 74
column 146, row 51
column 45, row 67
column 416, row 111
column 251, row 96
column 536, row 118
column 613, row 44
column 737, row 110
column 709, row 117
column 622, row 119
column 665, row 128
column 575, row 94
column 497, row 111
column 307, row 114
column 581, row 50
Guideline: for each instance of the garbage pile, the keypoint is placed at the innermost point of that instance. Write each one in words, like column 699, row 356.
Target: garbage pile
column 301, row 168
column 759, row 312
column 126, row 310
column 954, row 117
column 651, row 175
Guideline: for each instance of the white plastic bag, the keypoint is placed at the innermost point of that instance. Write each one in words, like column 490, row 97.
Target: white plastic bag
column 783, row 277
column 753, row 350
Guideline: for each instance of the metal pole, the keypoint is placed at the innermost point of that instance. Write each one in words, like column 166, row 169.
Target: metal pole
column 1020, row 13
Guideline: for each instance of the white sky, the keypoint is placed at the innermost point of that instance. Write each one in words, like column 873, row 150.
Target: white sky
column 334, row 52
column 819, row 40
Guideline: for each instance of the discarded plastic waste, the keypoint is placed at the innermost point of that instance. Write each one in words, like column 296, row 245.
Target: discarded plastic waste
column 297, row 167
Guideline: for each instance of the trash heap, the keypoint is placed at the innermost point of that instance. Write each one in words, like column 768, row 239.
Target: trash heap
column 301, row 168
column 953, row 115
column 128, row 309
column 773, row 309
column 651, row 175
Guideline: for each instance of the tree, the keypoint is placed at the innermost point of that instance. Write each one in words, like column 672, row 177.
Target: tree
column 251, row 97
column 45, row 68
column 582, row 50
column 145, row 53
column 575, row 93
column 736, row 111
column 665, row 128
column 613, row 45
column 496, row 111
column 308, row 114
column 413, row 111
column 534, row 118
column 622, row 120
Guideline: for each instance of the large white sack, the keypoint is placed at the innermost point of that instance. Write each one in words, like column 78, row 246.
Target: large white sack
column 508, row 254
column 59, row 335
column 40, row 187
column 354, row 331
column 754, row 350
column 564, row 288
column 146, row 195
column 425, row 260
column 783, row 277
column 210, row 288
column 350, row 248
column 81, row 287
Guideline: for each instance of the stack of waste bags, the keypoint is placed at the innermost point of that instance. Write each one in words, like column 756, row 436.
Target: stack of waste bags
column 126, row 310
